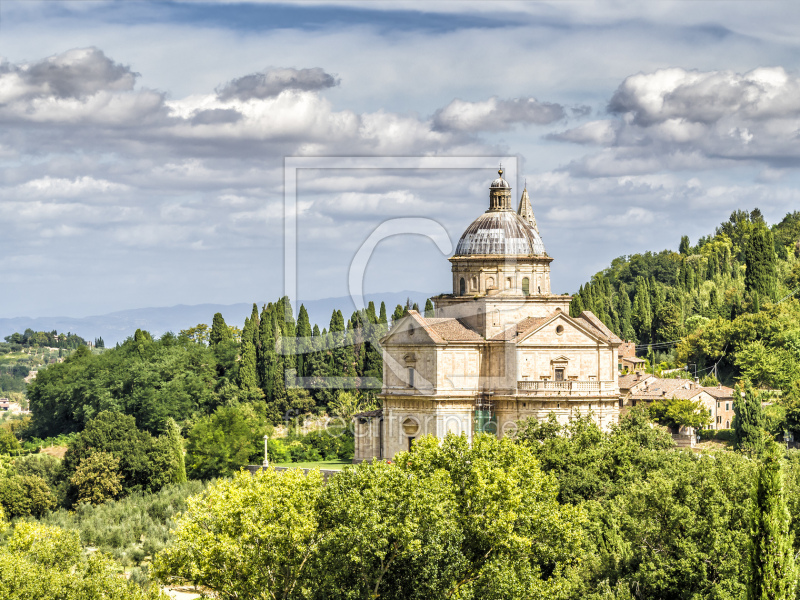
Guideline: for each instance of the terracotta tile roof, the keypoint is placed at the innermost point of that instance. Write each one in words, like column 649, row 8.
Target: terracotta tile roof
column 626, row 382
column 631, row 359
column 649, row 396
column 454, row 330
column 668, row 386
column 720, row 392
column 687, row 394
column 513, row 333
column 599, row 326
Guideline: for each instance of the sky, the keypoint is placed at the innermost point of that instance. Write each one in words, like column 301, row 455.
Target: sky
column 145, row 146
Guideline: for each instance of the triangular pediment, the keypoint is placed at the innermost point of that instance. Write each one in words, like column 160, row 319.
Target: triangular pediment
column 560, row 328
column 411, row 330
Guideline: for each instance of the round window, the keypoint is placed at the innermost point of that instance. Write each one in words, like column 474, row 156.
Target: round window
column 560, row 329
column 410, row 427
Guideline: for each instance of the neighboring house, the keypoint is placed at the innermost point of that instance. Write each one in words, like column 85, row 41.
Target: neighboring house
column 4, row 404
column 627, row 360
column 631, row 384
column 723, row 397
column 658, row 389
column 500, row 348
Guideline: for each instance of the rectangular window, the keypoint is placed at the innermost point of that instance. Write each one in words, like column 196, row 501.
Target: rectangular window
column 559, row 374
column 411, row 377
column 410, row 441
column 727, row 406
column 620, row 403
column 633, row 402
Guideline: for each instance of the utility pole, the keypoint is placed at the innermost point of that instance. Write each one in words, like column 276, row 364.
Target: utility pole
column 266, row 457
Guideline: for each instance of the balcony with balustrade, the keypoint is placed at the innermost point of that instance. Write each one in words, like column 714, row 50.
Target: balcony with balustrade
column 568, row 388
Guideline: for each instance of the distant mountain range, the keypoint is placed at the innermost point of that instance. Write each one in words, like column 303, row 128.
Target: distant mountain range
column 117, row 326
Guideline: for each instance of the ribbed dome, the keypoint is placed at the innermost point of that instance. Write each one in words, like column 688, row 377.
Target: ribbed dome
column 500, row 232
column 500, row 183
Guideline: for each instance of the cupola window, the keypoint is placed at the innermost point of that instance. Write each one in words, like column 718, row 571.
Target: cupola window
column 462, row 287
column 526, row 286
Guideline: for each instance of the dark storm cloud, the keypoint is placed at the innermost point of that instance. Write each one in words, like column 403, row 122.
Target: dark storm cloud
column 495, row 114
column 272, row 82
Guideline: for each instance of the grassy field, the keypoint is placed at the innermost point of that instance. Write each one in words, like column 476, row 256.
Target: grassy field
column 331, row 465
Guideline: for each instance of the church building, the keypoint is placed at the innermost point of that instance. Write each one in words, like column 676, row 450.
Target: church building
column 500, row 348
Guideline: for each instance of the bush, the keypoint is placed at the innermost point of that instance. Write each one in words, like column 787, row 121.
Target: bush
column 132, row 529
column 721, row 435
column 25, row 495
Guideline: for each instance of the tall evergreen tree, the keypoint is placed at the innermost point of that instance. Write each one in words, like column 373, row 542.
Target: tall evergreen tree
column 429, row 311
column 748, row 421
column 248, row 377
column 173, row 434
column 383, row 318
column 220, row 332
column 255, row 323
column 685, row 245
column 761, row 269
column 373, row 318
column 774, row 573
column 303, row 345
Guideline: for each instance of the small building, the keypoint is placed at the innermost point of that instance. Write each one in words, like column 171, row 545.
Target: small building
column 5, row 404
column 723, row 409
column 629, row 385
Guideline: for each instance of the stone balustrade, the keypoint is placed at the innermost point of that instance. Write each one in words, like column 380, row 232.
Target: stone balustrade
column 578, row 388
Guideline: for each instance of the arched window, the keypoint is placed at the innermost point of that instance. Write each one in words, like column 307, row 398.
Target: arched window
column 462, row 287
column 526, row 286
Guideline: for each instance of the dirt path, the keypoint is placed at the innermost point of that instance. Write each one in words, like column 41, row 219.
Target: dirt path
column 182, row 593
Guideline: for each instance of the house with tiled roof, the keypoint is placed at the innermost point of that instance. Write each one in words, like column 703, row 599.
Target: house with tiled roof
column 501, row 347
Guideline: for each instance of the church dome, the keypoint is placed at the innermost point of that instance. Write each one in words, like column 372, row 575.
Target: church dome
column 500, row 182
column 500, row 232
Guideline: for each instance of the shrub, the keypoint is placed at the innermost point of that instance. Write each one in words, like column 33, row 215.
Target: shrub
column 26, row 495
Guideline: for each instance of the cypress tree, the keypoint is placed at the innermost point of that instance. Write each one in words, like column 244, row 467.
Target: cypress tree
column 254, row 321
column 383, row 319
column 760, row 264
column 685, row 245
column 173, row 434
column 373, row 318
column 304, row 340
column 248, row 378
column 220, row 332
column 774, row 573
column 398, row 314
column 748, row 421
column 429, row 310
column 576, row 306
column 266, row 352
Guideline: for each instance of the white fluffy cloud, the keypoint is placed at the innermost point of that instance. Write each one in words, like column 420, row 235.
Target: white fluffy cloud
column 679, row 119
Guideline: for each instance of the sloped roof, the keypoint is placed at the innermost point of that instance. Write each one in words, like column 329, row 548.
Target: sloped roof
column 668, row 387
column 720, row 392
column 454, row 330
column 626, row 382
column 590, row 318
column 521, row 329
column 687, row 394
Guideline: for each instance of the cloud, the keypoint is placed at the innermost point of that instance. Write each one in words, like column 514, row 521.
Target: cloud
column 272, row 82
column 683, row 119
column 496, row 114
column 76, row 74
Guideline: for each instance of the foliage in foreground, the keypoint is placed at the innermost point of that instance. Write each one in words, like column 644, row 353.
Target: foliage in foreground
column 445, row 520
column 132, row 529
column 48, row 563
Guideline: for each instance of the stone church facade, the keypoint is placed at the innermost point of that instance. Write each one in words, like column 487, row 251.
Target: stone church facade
column 500, row 348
